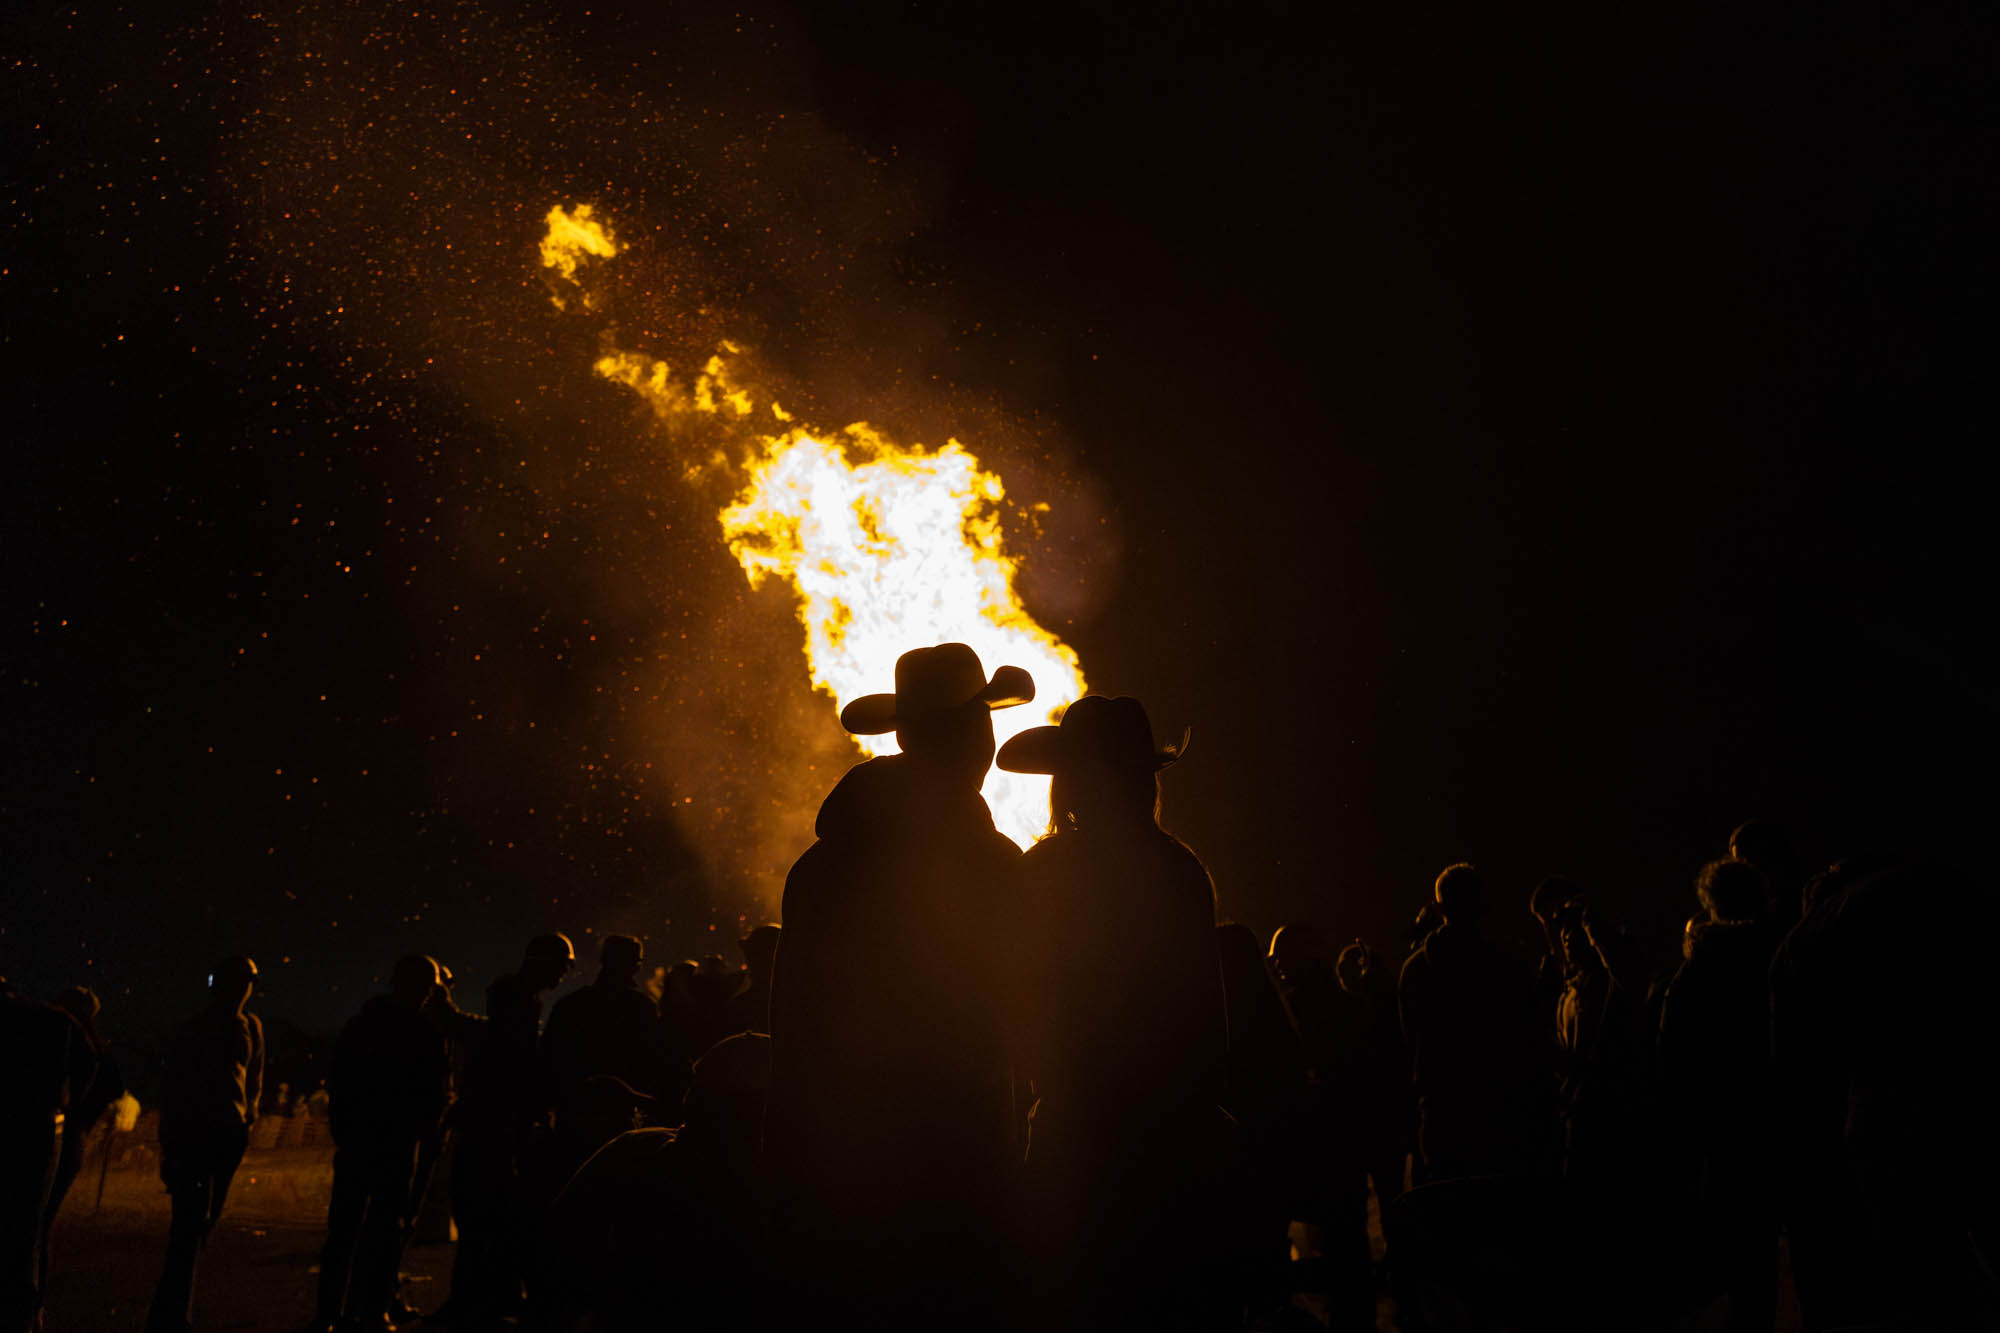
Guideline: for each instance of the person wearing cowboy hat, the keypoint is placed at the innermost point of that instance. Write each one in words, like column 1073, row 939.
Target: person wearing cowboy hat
column 1128, row 1035
column 890, row 1133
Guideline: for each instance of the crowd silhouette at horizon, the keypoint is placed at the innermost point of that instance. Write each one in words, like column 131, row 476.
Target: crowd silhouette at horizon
column 963, row 1086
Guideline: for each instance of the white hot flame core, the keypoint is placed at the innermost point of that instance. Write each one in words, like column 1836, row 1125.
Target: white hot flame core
column 888, row 547
column 893, row 548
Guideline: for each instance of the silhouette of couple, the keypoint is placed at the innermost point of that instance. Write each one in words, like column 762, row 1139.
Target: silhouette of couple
column 930, row 978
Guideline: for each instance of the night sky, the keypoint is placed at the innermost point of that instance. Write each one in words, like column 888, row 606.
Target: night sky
column 1539, row 437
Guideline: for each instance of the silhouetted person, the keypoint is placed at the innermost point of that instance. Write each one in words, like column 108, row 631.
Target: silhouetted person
column 1426, row 921
column 1380, row 1074
column 208, row 1099
column 1815, row 1007
column 665, row 1228
column 1691, row 930
column 503, row 1104
column 1478, row 1043
column 687, row 1029
column 430, row 1208
column 1764, row 843
column 1129, row 1035
column 1545, row 904
column 750, row 1008
column 1266, row 1092
column 1918, row 1147
column 1329, row 1145
column 1715, row 1058
column 610, row 1028
column 694, row 1002
column 387, row 1085
column 49, row 1064
column 1602, row 1062
column 710, row 989
column 87, row 1106
column 891, row 1124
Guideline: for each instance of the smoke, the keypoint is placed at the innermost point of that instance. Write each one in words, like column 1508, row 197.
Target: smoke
column 588, row 709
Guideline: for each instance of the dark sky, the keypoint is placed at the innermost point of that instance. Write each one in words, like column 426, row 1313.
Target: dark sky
column 1541, row 437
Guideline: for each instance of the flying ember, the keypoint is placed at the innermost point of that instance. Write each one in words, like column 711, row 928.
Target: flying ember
column 886, row 546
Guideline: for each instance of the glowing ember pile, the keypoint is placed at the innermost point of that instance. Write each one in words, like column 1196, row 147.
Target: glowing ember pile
column 888, row 546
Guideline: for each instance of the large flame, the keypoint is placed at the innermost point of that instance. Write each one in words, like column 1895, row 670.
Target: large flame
column 887, row 546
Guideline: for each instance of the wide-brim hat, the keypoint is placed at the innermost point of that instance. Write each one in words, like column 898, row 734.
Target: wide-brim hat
column 935, row 680
column 1094, row 728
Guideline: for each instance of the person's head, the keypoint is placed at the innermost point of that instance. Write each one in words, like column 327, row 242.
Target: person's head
column 760, row 949
column 713, row 982
column 1572, row 933
column 1429, row 917
column 619, row 957
column 231, row 981
column 81, row 1003
column 1102, row 763
column 1548, row 896
column 1460, row 894
column 942, row 710
column 1296, row 952
column 725, row 1100
column 1731, row 890
column 547, row 960
column 954, row 743
column 1761, row 842
column 1352, row 967
column 413, row 981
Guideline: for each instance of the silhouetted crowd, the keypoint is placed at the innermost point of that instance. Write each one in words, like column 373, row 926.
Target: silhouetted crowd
column 969, row 1087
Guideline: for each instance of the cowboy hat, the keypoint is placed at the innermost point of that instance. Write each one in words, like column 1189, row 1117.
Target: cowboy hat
column 933, row 680
column 1094, row 727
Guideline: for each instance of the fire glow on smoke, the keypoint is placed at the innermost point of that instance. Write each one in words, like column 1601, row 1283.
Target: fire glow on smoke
column 887, row 546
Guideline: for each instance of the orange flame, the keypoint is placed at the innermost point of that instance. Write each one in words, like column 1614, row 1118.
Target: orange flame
column 571, row 237
column 887, row 546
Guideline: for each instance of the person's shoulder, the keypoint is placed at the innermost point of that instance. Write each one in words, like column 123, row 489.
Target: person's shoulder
column 867, row 795
column 1170, row 847
column 1686, row 979
column 1004, row 848
column 636, row 1002
column 43, row 1017
column 633, row 1167
column 805, row 885
column 637, row 1147
column 1048, row 850
column 1184, row 861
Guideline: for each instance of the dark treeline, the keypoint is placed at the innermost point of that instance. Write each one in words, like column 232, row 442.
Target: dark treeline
column 962, row 1086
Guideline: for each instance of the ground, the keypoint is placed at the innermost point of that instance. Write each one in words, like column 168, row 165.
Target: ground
column 260, row 1268
column 261, row 1264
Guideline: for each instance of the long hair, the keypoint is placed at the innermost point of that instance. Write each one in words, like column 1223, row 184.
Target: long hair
column 1096, row 798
